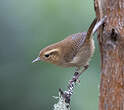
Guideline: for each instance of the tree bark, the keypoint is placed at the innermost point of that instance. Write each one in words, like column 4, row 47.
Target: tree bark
column 111, row 43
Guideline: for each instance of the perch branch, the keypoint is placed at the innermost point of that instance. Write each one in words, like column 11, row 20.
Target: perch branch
column 65, row 97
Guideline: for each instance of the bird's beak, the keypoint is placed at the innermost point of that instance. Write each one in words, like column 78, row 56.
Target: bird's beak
column 37, row 59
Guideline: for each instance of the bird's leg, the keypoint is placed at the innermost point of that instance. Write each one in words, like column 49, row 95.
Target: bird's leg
column 77, row 75
column 80, row 73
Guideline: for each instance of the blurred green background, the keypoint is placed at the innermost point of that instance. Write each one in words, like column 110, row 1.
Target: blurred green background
column 26, row 26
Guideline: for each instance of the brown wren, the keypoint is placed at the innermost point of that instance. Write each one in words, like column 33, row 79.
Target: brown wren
column 74, row 51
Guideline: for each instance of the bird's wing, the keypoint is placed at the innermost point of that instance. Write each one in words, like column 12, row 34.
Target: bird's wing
column 78, row 40
column 74, row 43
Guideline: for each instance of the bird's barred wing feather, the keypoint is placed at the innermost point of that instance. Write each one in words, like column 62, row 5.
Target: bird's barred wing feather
column 75, row 41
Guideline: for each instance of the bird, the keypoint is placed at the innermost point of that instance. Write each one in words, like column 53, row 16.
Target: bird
column 75, row 50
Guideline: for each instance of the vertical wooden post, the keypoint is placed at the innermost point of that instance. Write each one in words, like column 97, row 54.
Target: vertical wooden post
column 111, row 42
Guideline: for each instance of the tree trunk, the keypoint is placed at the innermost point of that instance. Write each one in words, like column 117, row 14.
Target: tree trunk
column 111, row 42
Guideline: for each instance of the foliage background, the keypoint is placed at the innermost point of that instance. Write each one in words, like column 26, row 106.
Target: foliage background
column 26, row 26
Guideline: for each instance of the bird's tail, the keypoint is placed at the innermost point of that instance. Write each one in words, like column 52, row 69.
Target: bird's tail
column 94, row 26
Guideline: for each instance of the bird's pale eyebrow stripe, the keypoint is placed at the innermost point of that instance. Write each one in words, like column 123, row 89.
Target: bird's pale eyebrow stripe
column 50, row 51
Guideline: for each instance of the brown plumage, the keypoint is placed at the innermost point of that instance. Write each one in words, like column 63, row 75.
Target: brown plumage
column 74, row 51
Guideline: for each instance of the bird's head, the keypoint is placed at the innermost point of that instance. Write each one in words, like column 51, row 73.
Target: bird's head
column 49, row 54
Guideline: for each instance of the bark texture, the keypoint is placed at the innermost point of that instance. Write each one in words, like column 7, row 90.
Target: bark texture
column 111, row 42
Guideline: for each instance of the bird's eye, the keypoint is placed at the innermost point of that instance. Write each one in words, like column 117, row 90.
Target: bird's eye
column 47, row 55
